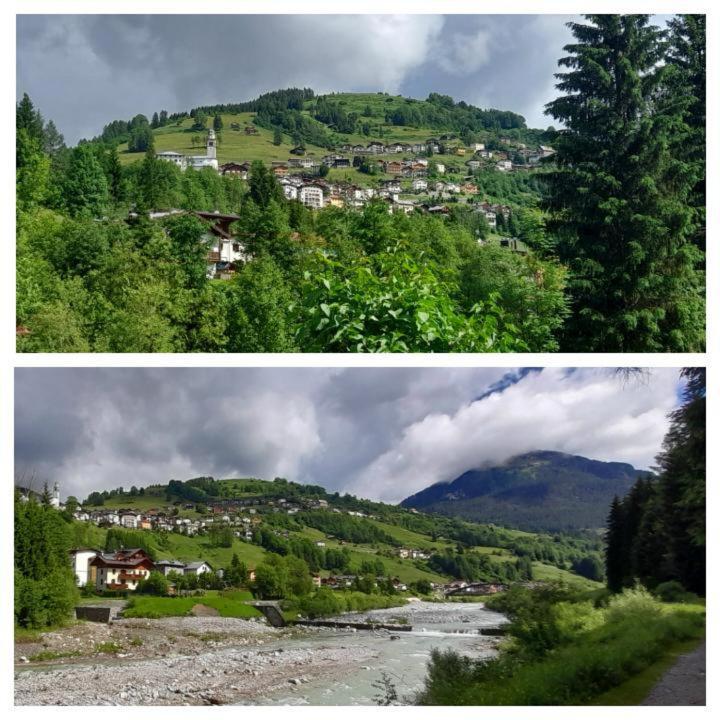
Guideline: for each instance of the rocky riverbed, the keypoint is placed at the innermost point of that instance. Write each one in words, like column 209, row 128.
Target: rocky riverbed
column 183, row 672
column 219, row 661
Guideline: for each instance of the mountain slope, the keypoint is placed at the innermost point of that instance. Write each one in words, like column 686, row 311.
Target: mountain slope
column 537, row 491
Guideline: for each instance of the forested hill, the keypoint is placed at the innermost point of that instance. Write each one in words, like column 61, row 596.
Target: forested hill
column 320, row 122
column 548, row 491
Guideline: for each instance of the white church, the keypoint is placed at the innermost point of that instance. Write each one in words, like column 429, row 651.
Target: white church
column 197, row 162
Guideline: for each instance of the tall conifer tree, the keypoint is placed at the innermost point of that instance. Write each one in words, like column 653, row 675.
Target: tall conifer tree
column 619, row 196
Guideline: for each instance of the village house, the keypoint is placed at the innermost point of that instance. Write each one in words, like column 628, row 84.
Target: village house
column 440, row 168
column 302, row 162
column 394, row 167
column 234, row 169
column 225, row 249
column 473, row 164
column 419, row 185
column 80, row 559
column 168, row 566
column 477, row 147
column 121, row 570
column 197, row 568
column 504, row 165
column 129, row 520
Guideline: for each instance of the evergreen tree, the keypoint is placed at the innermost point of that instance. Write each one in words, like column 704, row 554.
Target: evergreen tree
column 45, row 589
column 28, row 118
column 217, row 123
column 687, row 83
column 262, row 185
column 619, row 197
column 53, row 141
column 155, row 122
column 682, row 485
column 615, row 555
column 163, row 117
column 277, row 137
column 114, row 174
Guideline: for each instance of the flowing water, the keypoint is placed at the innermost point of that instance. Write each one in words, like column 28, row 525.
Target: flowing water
column 403, row 656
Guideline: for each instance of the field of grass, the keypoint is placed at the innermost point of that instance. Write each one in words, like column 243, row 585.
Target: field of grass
column 550, row 572
column 233, row 145
column 228, row 604
column 187, row 549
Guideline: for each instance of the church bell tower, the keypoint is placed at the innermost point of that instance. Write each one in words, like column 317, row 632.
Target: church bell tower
column 211, row 144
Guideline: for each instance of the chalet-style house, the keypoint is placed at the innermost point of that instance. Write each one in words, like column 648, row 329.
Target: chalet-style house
column 121, row 570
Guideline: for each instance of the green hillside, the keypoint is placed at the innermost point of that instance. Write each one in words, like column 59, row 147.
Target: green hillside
column 371, row 124
column 290, row 518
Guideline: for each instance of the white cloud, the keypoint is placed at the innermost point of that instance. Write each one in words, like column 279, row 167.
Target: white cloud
column 588, row 413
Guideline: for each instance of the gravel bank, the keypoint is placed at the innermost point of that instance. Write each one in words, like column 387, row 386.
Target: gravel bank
column 136, row 638
column 219, row 677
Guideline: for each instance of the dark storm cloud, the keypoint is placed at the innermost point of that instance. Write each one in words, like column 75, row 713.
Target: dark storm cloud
column 381, row 433
column 84, row 71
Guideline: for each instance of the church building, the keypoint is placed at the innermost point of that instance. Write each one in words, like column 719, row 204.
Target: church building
column 196, row 162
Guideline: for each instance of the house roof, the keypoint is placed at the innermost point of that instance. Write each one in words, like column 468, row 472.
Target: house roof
column 197, row 564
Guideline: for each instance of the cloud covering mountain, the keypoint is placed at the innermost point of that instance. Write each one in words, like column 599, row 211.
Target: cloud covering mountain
column 382, row 433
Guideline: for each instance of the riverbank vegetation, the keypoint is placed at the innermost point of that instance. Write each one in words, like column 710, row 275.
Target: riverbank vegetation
column 563, row 648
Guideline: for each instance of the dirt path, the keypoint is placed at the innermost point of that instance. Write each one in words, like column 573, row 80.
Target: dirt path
column 683, row 683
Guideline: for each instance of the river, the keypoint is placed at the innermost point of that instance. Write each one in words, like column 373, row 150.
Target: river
column 404, row 659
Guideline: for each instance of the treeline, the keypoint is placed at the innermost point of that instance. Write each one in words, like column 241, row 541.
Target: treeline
column 45, row 591
column 317, row 558
column 345, row 527
column 656, row 533
column 479, row 567
column 441, row 112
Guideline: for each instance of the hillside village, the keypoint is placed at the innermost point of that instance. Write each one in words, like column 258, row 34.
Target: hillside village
column 122, row 570
column 413, row 182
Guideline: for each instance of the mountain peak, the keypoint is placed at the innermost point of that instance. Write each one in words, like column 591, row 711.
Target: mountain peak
column 538, row 490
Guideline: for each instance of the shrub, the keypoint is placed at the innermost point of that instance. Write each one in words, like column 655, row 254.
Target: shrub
column 673, row 592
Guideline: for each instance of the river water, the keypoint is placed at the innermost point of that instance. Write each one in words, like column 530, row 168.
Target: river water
column 403, row 656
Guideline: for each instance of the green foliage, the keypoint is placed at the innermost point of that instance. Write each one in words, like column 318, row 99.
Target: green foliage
column 259, row 309
column 84, row 188
column 154, row 584
column 119, row 538
column 280, row 577
column 392, row 303
column 45, row 591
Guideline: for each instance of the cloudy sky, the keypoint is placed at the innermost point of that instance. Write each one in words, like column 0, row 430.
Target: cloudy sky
column 379, row 433
column 85, row 70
